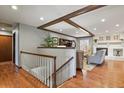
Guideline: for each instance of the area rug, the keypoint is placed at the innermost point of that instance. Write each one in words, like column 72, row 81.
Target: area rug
column 90, row 67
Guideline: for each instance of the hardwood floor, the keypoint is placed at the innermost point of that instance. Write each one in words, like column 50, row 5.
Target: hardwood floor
column 108, row 75
column 12, row 77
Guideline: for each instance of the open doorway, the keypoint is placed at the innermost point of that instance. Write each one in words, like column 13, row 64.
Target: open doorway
column 5, row 48
column 14, row 37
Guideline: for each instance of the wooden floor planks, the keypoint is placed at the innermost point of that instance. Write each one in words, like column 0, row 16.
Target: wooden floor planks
column 110, row 74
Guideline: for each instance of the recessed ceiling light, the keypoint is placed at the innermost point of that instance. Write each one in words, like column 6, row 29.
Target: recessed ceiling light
column 14, row 7
column 77, row 32
column 2, row 28
column 103, row 20
column 41, row 18
column 94, row 29
column 106, row 31
column 80, row 29
column 117, row 25
column 60, row 30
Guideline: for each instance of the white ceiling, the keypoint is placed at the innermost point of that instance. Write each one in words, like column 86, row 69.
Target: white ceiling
column 68, row 29
column 29, row 14
column 112, row 14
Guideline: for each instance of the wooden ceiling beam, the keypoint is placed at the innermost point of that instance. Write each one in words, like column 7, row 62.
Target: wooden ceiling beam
column 84, row 37
column 78, row 26
column 73, row 14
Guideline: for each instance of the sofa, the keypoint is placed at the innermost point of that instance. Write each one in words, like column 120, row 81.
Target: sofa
column 97, row 58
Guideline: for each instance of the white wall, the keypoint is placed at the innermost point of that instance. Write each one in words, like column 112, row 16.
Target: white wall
column 30, row 37
column 16, row 31
column 111, row 44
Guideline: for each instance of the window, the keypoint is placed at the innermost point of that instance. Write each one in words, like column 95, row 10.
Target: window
column 116, row 37
column 101, row 38
column 108, row 38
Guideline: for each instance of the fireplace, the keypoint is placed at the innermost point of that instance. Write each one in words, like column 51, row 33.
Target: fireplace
column 102, row 49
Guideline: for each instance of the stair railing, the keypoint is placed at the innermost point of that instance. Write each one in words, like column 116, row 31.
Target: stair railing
column 40, row 66
column 43, row 67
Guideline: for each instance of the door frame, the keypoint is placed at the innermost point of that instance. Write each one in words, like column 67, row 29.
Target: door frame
column 13, row 47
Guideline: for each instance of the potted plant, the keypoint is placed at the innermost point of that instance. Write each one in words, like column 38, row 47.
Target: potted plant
column 48, row 42
column 95, row 40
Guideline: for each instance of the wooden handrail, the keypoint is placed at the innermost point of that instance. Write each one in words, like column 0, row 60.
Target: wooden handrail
column 64, row 64
column 49, row 56
column 54, row 57
column 25, row 52
column 61, row 67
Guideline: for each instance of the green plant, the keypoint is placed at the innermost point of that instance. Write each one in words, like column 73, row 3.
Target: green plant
column 95, row 40
column 49, row 41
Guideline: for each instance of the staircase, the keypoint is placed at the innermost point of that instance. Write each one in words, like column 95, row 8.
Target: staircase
column 43, row 67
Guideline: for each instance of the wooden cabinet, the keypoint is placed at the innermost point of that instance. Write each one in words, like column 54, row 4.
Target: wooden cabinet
column 79, row 63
